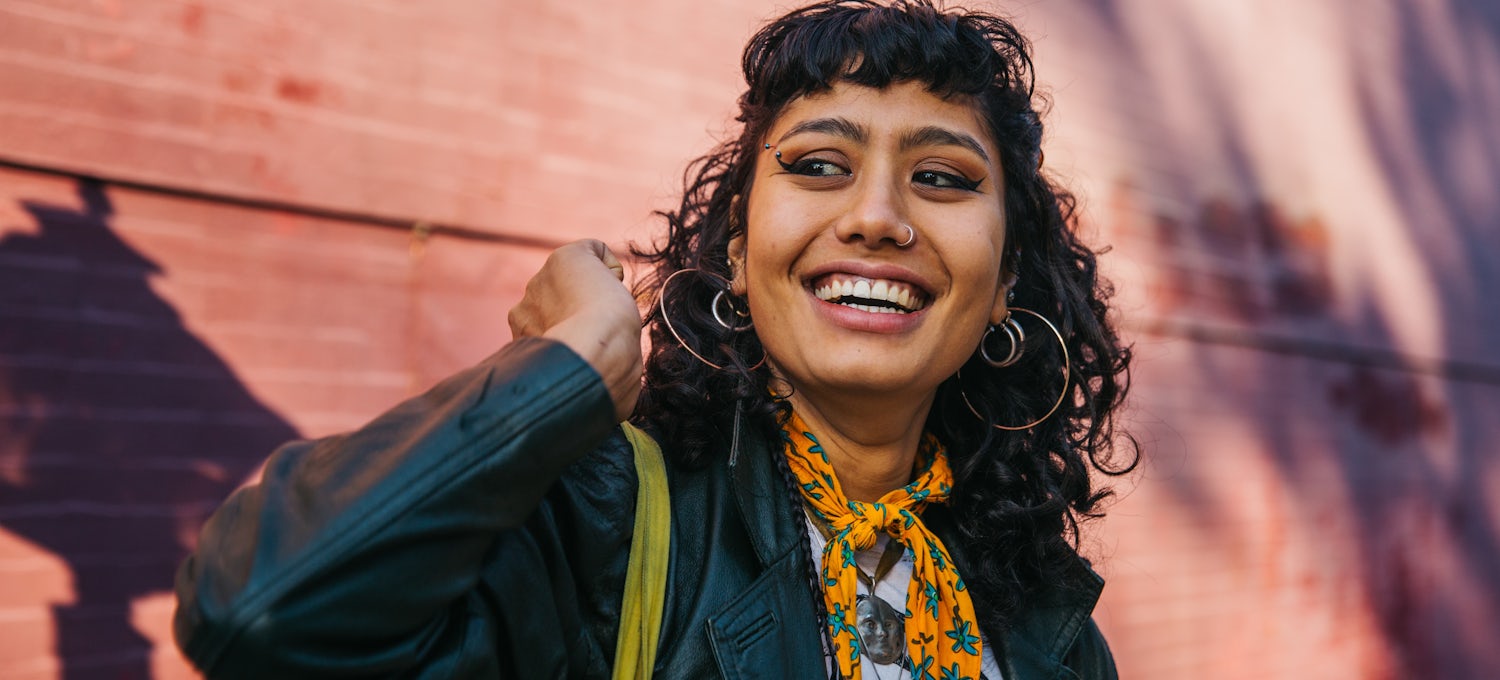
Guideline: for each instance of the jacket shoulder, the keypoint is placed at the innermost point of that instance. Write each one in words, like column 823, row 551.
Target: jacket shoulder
column 601, row 486
column 1090, row 657
column 1056, row 636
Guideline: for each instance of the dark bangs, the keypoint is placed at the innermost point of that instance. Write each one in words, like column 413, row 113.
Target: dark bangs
column 954, row 55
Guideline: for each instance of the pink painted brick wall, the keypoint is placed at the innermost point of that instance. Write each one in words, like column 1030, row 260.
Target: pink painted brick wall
column 1300, row 196
column 486, row 114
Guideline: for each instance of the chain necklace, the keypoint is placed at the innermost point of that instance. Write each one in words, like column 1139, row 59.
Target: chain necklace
column 880, row 628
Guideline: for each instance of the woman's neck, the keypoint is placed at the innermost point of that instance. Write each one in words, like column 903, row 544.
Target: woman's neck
column 872, row 447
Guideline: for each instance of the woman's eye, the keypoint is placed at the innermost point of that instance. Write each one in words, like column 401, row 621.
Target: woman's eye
column 813, row 167
column 945, row 180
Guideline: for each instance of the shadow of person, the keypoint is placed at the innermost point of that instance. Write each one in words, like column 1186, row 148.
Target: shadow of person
column 120, row 430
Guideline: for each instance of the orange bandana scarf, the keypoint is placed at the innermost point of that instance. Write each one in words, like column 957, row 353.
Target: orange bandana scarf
column 942, row 633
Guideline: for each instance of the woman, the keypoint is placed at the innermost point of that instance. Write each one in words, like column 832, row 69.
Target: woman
column 880, row 373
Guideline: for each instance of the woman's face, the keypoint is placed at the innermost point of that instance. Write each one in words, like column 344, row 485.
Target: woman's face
column 856, row 165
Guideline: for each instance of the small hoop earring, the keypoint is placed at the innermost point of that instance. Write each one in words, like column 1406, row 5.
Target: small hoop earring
column 722, row 296
column 661, row 306
column 911, row 235
column 1067, row 377
column 1017, row 337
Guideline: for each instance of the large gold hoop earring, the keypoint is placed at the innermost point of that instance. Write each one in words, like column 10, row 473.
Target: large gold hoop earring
column 661, row 306
column 1067, row 374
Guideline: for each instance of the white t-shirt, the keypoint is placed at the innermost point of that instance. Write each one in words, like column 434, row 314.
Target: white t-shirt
column 892, row 589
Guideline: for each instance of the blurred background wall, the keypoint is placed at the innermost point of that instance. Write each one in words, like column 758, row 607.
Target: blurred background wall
column 226, row 224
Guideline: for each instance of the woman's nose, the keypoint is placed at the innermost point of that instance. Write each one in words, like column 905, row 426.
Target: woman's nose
column 875, row 216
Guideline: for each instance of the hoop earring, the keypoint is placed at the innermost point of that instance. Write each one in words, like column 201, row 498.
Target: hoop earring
column 1017, row 337
column 661, row 306
column 1067, row 377
column 722, row 296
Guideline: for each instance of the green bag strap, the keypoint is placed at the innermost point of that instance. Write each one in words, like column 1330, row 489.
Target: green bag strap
column 646, row 575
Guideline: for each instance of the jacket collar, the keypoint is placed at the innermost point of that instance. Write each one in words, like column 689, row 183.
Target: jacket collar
column 762, row 496
column 1036, row 644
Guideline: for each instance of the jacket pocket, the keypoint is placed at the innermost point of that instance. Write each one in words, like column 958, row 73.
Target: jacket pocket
column 750, row 638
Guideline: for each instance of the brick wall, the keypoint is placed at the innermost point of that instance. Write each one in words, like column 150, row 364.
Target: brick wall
column 1300, row 196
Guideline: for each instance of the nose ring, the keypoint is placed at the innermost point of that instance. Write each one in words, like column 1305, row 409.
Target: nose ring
column 911, row 235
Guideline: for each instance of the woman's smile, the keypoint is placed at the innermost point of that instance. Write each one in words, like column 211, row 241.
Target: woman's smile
column 878, row 296
column 863, row 296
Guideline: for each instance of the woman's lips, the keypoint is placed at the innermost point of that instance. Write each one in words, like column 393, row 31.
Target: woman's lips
column 861, row 295
column 867, row 318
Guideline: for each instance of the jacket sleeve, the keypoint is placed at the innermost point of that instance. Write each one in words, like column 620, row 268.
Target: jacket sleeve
column 362, row 554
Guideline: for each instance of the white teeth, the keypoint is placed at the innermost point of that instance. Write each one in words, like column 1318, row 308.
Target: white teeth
column 900, row 294
column 874, row 310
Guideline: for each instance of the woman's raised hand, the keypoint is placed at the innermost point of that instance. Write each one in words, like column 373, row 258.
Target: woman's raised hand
column 579, row 299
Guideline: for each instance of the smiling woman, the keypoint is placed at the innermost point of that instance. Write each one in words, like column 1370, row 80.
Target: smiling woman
column 858, row 167
column 875, row 465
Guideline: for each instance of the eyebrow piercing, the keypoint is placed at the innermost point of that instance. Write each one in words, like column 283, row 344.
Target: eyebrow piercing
column 784, row 165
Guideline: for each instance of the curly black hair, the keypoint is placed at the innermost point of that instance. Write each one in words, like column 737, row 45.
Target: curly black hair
column 1018, row 495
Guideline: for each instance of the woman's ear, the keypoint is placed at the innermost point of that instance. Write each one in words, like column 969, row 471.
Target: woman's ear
column 736, row 250
column 736, row 253
column 1008, row 282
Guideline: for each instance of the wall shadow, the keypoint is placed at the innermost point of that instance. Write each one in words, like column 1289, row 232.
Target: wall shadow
column 1389, row 454
column 121, row 429
column 1398, row 452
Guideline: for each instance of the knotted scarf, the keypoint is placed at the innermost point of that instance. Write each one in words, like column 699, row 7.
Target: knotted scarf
column 941, row 628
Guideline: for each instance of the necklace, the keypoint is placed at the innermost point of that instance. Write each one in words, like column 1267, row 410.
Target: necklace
column 881, row 629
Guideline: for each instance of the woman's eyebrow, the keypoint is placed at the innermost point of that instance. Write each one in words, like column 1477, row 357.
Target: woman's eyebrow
column 840, row 127
column 933, row 135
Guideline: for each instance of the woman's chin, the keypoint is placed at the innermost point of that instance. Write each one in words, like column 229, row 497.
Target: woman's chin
column 880, row 382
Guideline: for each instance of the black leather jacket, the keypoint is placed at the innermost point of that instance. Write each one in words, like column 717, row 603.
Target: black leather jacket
column 482, row 530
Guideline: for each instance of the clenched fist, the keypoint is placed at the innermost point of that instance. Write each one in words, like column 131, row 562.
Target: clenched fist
column 579, row 299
